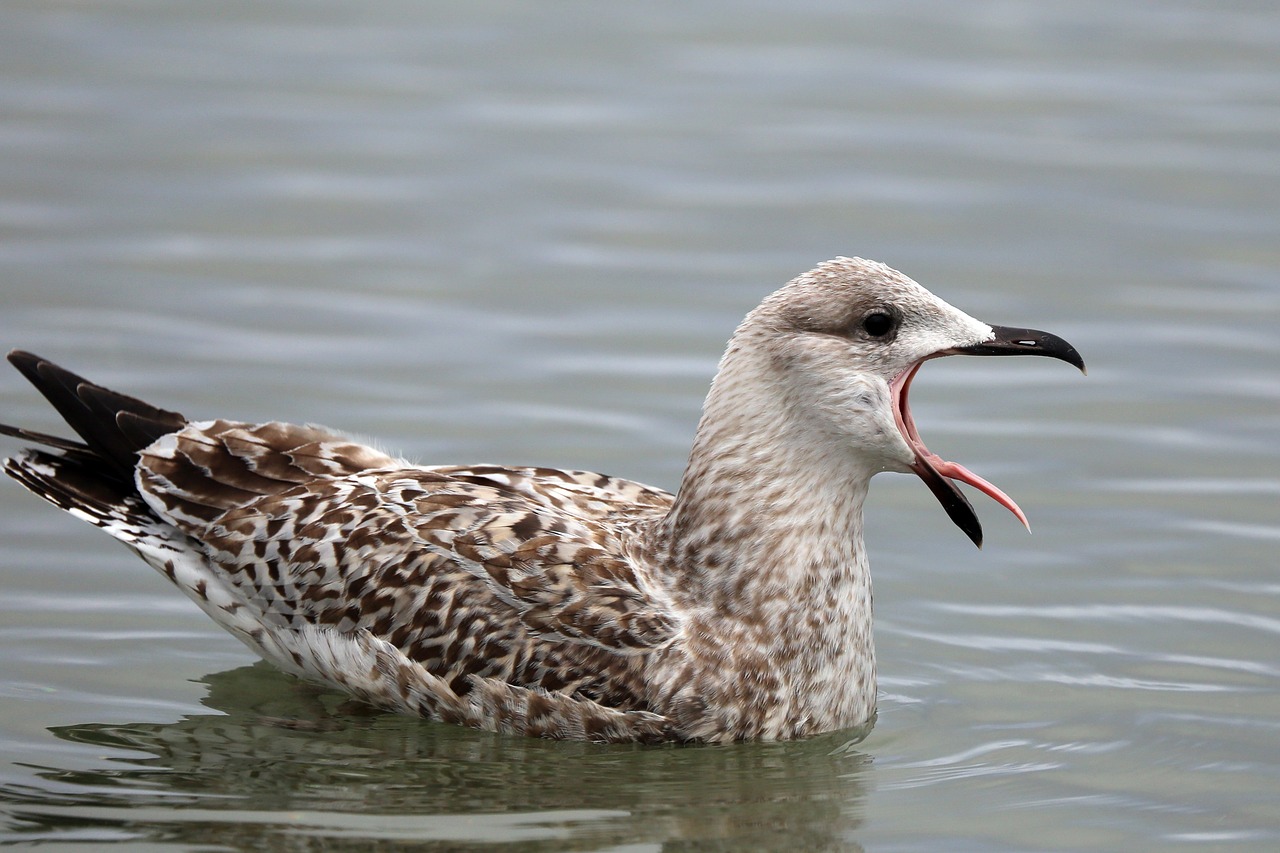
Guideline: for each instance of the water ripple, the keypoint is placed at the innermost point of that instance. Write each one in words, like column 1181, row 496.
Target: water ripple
column 1118, row 612
column 965, row 765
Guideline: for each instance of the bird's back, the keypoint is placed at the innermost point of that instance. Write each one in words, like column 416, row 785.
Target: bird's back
column 502, row 598
column 515, row 574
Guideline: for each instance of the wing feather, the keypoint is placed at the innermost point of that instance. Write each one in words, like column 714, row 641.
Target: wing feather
column 446, row 564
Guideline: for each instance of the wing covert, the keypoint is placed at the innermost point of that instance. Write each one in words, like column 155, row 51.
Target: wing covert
column 414, row 555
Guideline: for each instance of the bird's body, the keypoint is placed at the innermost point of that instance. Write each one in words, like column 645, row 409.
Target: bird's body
column 547, row 602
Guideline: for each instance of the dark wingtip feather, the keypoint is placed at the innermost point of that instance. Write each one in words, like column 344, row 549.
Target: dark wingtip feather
column 27, row 363
column 66, row 482
column 47, row 440
column 141, row 431
column 114, row 426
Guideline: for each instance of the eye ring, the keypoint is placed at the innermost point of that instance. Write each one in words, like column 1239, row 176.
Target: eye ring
column 879, row 324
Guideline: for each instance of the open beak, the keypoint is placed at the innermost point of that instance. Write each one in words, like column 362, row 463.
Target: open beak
column 939, row 474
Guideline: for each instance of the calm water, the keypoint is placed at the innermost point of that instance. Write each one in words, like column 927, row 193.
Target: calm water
column 522, row 232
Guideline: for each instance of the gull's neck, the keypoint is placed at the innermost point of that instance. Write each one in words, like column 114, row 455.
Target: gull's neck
column 769, row 499
column 770, row 505
column 763, row 549
column 763, row 508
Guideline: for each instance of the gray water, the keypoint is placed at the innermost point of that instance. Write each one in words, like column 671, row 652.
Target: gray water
column 518, row 232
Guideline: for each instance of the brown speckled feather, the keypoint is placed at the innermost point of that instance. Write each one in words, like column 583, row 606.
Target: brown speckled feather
column 500, row 573
column 544, row 602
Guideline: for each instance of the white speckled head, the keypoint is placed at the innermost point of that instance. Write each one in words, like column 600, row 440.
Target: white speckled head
column 825, row 363
column 837, row 336
column 837, row 296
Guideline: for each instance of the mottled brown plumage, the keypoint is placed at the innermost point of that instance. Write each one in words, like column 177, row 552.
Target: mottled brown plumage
column 554, row 603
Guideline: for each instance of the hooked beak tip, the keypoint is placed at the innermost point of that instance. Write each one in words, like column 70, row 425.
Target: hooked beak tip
column 1007, row 340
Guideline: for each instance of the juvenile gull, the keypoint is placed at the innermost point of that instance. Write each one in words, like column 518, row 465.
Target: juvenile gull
column 561, row 604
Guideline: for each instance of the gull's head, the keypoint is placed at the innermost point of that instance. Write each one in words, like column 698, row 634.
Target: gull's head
column 842, row 343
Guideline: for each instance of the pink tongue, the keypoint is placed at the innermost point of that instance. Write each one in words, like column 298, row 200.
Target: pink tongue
column 964, row 475
column 951, row 470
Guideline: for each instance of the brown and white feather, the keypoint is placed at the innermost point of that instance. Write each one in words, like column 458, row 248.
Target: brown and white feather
column 530, row 600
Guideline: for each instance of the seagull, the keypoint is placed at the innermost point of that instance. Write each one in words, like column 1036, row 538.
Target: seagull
column 558, row 603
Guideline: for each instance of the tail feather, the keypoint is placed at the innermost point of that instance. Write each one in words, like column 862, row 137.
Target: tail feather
column 64, row 483
column 114, row 426
column 80, row 490
column 55, row 441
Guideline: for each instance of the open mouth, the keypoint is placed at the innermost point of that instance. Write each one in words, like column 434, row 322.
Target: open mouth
column 939, row 474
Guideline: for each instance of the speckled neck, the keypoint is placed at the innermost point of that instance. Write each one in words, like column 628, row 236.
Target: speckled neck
column 768, row 497
column 764, row 545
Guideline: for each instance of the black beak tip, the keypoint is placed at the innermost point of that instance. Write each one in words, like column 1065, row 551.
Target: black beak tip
column 974, row 532
column 1007, row 340
column 959, row 510
column 957, row 506
column 1055, row 347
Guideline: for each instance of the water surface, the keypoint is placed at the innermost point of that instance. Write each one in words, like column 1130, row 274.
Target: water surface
column 519, row 233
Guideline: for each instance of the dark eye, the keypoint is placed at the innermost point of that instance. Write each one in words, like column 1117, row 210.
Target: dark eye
column 878, row 324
